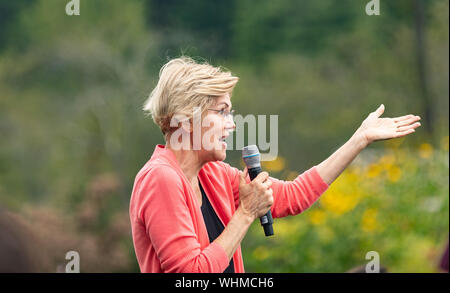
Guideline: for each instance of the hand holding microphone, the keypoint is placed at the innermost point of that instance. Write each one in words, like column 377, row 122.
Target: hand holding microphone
column 256, row 197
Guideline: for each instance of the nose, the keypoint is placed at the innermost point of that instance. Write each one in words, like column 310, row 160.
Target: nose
column 229, row 124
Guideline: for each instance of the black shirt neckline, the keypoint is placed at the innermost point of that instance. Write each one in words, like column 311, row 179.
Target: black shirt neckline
column 213, row 224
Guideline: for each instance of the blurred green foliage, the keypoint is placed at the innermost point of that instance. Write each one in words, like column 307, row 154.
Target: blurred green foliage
column 73, row 134
column 392, row 201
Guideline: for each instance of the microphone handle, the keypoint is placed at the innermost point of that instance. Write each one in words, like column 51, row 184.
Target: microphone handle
column 266, row 220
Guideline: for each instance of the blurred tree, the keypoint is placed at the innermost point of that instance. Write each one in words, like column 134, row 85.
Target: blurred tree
column 72, row 89
column 87, row 75
column 9, row 11
column 307, row 27
column 422, row 64
column 200, row 27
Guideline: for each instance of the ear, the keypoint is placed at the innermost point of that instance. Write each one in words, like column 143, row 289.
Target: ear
column 181, row 121
column 186, row 125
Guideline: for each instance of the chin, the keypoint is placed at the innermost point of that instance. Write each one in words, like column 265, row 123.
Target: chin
column 220, row 155
column 219, row 152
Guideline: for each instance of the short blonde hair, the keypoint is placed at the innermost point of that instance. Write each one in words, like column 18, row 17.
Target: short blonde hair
column 183, row 85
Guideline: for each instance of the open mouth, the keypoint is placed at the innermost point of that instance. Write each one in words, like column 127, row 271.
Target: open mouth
column 222, row 141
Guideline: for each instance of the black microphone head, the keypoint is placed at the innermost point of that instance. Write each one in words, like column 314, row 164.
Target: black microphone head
column 251, row 156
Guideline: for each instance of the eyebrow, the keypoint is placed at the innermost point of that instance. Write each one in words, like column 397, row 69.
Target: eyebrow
column 224, row 103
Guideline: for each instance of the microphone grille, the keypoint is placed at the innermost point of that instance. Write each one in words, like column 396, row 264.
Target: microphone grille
column 251, row 156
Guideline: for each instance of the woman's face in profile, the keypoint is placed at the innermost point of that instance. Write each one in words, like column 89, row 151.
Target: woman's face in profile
column 217, row 125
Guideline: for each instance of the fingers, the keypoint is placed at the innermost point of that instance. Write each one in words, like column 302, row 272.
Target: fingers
column 267, row 184
column 245, row 173
column 243, row 176
column 408, row 127
column 266, row 200
column 406, row 124
column 269, row 194
column 402, row 118
column 407, row 121
column 406, row 132
column 261, row 177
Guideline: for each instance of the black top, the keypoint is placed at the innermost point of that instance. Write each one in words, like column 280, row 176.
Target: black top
column 213, row 224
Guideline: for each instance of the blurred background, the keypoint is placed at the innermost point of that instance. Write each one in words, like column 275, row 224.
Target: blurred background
column 73, row 135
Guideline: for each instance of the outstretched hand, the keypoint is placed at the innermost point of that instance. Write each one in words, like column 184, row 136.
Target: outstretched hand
column 375, row 128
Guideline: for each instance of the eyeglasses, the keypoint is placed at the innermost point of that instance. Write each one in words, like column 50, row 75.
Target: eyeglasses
column 224, row 114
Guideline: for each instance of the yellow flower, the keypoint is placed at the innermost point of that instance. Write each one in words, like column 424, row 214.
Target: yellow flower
column 317, row 217
column 340, row 203
column 369, row 220
column 352, row 175
column 374, row 170
column 444, row 143
column 354, row 170
column 284, row 228
column 425, row 150
column 344, row 194
column 274, row 166
column 394, row 174
column 387, row 161
column 261, row 253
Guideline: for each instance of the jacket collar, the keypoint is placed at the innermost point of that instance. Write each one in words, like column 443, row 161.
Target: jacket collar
column 162, row 152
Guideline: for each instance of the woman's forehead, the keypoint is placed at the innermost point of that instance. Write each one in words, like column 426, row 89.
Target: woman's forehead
column 224, row 100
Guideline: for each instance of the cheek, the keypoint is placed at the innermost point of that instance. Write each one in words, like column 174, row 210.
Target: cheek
column 212, row 126
column 212, row 131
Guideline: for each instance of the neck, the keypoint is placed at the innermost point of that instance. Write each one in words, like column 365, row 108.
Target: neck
column 189, row 162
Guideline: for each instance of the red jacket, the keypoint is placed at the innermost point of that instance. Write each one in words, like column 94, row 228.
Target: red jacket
column 169, row 233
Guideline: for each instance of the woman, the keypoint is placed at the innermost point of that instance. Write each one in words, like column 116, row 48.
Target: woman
column 189, row 210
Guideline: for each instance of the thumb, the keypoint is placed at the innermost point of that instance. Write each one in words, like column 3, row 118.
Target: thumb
column 243, row 176
column 380, row 110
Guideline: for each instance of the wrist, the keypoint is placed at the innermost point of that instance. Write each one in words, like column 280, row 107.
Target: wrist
column 360, row 140
column 245, row 217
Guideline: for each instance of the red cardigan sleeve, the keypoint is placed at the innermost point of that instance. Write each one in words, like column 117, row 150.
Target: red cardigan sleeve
column 290, row 197
column 168, row 221
column 294, row 197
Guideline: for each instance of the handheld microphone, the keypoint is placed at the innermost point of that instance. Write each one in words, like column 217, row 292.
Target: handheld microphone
column 252, row 158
